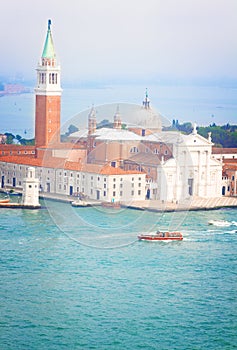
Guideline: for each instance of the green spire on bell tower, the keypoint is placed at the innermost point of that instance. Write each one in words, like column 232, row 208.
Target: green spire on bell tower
column 49, row 51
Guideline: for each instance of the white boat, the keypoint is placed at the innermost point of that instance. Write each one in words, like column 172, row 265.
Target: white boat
column 79, row 203
column 161, row 236
column 221, row 223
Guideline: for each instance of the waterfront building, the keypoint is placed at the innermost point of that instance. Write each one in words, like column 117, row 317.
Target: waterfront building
column 228, row 156
column 224, row 153
column 122, row 164
column 57, row 176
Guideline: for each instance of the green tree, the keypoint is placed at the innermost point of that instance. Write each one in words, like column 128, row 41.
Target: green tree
column 71, row 129
column 10, row 138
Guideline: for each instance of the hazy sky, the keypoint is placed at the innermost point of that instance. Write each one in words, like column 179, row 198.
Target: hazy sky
column 112, row 39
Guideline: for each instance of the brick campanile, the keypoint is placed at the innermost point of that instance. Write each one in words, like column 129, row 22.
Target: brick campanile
column 48, row 96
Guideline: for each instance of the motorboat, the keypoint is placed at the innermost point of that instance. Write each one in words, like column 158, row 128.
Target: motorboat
column 221, row 223
column 79, row 203
column 4, row 201
column 113, row 205
column 161, row 236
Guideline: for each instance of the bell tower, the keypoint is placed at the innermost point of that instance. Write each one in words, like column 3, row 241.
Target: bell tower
column 48, row 96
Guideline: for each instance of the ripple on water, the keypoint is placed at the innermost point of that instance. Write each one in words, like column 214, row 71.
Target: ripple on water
column 57, row 292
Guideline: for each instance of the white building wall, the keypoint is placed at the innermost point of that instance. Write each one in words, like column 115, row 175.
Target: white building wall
column 193, row 172
column 95, row 186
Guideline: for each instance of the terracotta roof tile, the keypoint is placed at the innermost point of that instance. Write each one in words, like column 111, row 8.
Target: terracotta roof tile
column 62, row 163
column 216, row 150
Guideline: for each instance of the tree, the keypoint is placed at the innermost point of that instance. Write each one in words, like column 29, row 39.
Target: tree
column 18, row 138
column 10, row 138
column 71, row 129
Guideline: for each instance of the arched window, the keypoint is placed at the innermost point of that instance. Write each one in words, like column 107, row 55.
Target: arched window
column 156, row 151
column 134, row 150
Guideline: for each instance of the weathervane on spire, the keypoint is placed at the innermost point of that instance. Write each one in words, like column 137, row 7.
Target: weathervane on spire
column 146, row 101
column 146, row 93
column 49, row 24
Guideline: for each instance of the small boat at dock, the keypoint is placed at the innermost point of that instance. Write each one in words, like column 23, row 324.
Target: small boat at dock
column 79, row 203
column 161, row 236
column 113, row 205
column 4, row 201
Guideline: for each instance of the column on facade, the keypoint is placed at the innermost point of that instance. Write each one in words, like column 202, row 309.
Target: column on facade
column 207, row 184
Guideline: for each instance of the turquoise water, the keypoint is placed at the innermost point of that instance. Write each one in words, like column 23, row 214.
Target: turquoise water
column 78, row 278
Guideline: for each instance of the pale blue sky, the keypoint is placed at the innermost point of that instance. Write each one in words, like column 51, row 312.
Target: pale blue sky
column 113, row 39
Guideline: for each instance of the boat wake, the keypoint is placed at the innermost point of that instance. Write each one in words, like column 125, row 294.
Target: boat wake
column 222, row 223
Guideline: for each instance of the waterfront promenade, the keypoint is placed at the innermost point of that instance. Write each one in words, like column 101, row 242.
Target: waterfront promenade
column 193, row 203
column 157, row 205
column 189, row 204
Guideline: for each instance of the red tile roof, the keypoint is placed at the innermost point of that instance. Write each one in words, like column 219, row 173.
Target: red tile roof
column 62, row 163
column 216, row 150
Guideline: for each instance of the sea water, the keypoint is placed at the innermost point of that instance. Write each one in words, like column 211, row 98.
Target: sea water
column 201, row 104
column 78, row 278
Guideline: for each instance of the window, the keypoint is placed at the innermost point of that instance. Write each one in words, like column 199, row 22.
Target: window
column 139, row 185
column 114, row 179
column 104, row 185
column 114, row 186
column 132, row 193
column 104, row 193
column 156, row 151
column 233, row 178
column 114, row 193
column 139, row 192
column 132, row 184
column 132, row 178
column 134, row 150
column 121, row 193
column 121, row 185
